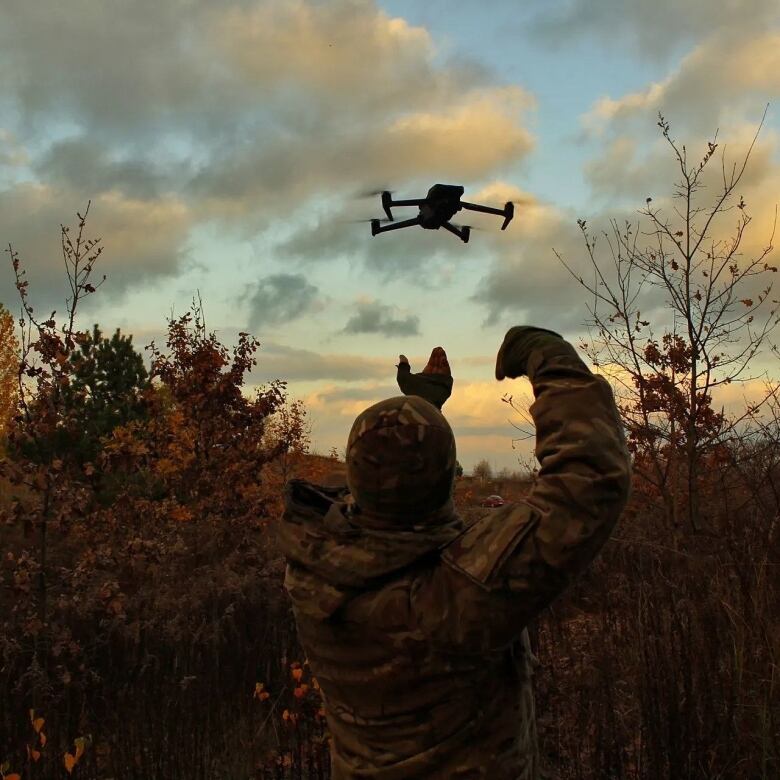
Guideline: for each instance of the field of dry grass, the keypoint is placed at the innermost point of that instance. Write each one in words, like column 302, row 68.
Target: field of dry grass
column 179, row 660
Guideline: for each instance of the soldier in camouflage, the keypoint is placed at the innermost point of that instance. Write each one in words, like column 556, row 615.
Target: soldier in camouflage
column 414, row 622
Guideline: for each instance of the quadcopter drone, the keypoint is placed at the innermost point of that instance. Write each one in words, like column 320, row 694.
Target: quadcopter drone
column 435, row 211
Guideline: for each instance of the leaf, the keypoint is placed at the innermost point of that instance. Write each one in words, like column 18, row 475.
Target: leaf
column 81, row 744
column 38, row 724
column 747, row 301
column 14, row 776
column 70, row 762
column 42, row 737
column 297, row 674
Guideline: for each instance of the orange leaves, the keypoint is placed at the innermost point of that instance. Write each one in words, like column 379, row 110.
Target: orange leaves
column 37, row 723
column 71, row 759
column 260, row 693
column 180, row 514
column 4, row 768
column 9, row 365
column 747, row 301
column 70, row 762
column 300, row 691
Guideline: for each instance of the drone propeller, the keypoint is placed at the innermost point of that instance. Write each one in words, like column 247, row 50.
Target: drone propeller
column 372, row 193
column 470, row 227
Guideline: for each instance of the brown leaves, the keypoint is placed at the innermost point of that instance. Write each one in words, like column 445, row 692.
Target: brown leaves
column 9, row 369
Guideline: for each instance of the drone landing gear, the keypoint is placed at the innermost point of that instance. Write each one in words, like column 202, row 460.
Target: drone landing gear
column 463, row 234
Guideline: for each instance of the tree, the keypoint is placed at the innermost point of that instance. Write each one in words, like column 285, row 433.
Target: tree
column 665, row 379
column 289, row 431
column 45, row 364
column 106, row 389
column 9, row 370
column 458, row 469
column 482, row 470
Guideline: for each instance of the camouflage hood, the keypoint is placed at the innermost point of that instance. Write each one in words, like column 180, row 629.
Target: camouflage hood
column 401, row 461
column 344, row 549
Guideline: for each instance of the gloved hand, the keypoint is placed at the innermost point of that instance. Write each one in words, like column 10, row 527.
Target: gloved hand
column 434, row 383
column 519, row 342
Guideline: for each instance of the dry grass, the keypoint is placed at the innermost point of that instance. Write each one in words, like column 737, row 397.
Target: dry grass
column 661, row 662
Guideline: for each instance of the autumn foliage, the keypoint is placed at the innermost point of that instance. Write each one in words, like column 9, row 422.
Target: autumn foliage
column 142, row 580
column 9, row 371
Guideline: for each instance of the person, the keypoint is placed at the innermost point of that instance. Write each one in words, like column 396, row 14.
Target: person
column 414, row 622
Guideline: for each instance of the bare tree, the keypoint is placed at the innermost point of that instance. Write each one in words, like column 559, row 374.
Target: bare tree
column 482, row 470
column 664, row 382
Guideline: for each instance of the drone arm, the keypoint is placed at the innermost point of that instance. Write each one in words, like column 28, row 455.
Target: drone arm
column 413, row 202
column 483, row 209
column 507, row 212
column 396, row 225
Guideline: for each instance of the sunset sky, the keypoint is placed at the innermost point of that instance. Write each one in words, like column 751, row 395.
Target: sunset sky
column 224, row 146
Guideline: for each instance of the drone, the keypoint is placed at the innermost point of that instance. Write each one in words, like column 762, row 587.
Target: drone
column 436, row 210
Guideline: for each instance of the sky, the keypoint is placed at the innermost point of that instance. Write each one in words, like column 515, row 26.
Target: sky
column 226, row 149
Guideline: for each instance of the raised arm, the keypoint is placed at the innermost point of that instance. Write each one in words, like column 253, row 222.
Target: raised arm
column 514, row 561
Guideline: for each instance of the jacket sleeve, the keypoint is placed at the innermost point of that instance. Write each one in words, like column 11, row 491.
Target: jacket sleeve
column 512, row 562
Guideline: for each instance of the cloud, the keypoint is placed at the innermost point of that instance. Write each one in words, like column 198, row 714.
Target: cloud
column 654, row 29
column 403, row 254
column 526, row 283
column 12, row 153
column 280, row 298
column 142, row 239
column 315, row 47
column 724, row 77
column 91, row 167
column 294, row 364
column 481, row 421
column 476, row 135
column 250, row 111
column 375, row 317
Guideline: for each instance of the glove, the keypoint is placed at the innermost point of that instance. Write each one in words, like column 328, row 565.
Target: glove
column 519, row 342
column 434, row 383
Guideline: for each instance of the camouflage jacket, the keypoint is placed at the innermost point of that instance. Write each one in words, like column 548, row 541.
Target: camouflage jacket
column 417, row 637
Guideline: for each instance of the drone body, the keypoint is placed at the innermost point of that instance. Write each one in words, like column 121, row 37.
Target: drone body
column 436, row 210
